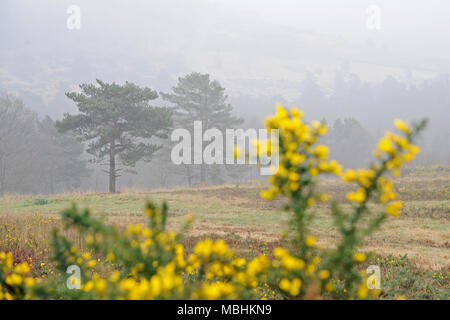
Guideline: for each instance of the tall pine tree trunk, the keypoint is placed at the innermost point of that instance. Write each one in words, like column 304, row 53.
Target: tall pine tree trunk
column 188, row 174
column 202, row 166
column 112, row 168
column 202, row 173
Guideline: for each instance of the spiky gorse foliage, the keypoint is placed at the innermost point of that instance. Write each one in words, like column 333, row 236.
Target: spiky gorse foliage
column 151, row 263
column 303, row 160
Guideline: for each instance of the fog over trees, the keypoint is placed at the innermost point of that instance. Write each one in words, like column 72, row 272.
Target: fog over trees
column 34, row 157
column 165, row 64
column 115, row 121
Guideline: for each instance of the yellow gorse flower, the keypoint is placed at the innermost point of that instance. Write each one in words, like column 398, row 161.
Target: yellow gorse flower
column 394, row 208
column 310, row 241
column 358, row 196
column 359, row 257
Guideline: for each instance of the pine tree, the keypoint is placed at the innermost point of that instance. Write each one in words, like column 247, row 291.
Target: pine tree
column 197, row 98
column 117, row 122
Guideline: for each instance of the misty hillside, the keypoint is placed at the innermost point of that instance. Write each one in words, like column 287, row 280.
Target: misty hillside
column 248, row 54
column 260, row 60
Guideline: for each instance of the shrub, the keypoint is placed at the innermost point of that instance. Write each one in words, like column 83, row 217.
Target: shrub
column 40, row 201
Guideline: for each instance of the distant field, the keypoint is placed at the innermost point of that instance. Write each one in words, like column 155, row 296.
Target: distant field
column 250, row 224
column 423, row 231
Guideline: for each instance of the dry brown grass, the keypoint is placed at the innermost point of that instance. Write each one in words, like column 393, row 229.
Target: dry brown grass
column 239, row 215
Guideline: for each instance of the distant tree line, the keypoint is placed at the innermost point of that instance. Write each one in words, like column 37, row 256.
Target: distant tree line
column 374, row 105
column 119, row 132
column 34, row 157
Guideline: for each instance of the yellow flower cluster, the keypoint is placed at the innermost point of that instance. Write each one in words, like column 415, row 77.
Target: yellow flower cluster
column 215, row 260
column 287, row 261
column 223, row 274
column 301, row 159
column 292, row 287
column 398, row 149
column 393, row 151
column 293, row 272
column 14, row 280
column 207, row 248
column 164, row 281
column 216, row 290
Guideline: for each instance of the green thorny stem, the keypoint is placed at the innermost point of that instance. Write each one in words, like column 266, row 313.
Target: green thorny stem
column 342, row 261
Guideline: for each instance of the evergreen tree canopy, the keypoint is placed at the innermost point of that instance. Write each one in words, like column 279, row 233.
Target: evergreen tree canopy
column 197, row 98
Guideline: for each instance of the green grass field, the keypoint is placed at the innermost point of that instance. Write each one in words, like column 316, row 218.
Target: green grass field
column 252, row 225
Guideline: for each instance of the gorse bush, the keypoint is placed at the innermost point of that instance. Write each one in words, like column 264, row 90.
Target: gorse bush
column 40, row 201
column 148, row 262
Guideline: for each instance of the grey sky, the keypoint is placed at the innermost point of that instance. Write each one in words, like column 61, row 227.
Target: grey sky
column 415, row 22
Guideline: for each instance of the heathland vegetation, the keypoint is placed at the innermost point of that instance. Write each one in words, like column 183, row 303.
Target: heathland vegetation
column 311, row 237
